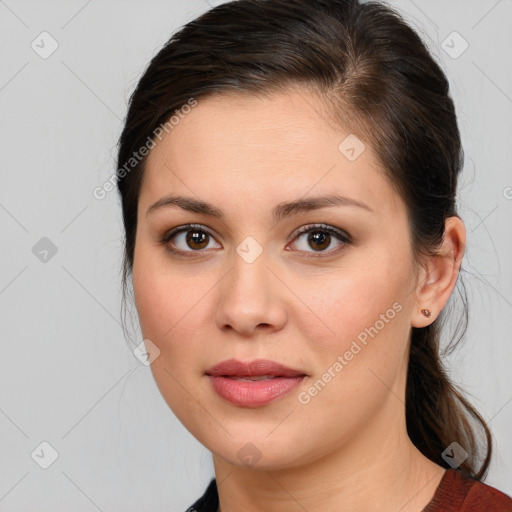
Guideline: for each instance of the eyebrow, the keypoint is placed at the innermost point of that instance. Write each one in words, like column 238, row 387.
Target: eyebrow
column 280, row 212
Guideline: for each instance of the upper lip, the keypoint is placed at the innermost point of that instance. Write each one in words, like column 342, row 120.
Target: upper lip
column 258, row 367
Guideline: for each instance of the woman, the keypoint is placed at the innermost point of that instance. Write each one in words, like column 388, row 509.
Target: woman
column 288, row 174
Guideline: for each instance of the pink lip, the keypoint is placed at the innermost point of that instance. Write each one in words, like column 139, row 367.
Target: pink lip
column 246, row 393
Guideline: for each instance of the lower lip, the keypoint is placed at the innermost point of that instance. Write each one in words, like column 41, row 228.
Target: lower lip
column 245, row 393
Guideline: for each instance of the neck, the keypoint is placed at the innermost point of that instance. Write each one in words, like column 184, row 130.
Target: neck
column 370, row 475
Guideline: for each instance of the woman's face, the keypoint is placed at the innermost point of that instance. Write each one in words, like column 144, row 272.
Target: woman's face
column 248, row 286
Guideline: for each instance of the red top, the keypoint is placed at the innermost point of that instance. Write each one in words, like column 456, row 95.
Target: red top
column 459, row 493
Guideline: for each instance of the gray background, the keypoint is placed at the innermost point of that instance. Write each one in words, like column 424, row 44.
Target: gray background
column 67, row 376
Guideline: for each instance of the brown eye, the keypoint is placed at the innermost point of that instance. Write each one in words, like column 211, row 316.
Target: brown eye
column 319, row 238
column 196, row 239
column 187, row 240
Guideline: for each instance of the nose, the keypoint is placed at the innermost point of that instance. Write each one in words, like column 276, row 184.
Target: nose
column 251, row 298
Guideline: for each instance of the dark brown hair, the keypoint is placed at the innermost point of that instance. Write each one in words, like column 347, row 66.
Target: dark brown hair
column 380, row 82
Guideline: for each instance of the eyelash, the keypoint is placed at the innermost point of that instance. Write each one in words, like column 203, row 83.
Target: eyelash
column 338, row 234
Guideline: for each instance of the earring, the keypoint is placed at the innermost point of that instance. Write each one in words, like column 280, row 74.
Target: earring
column 426, row 312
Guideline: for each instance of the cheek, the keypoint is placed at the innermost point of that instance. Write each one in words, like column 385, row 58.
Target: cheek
column 367, row 316
column 361, row 366
column 165, row 306
column 351, row 303
column 171, row 308
column 159, row 297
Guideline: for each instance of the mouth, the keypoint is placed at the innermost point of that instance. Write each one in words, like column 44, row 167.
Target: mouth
column 251, row 378
column 257, row 369
column 254, row 383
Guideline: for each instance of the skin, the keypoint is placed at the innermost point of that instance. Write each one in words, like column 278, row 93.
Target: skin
column 347, row 449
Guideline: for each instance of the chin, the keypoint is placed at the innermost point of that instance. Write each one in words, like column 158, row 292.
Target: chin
column 254, row 452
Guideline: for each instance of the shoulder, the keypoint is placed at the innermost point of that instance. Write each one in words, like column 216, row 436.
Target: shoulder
column 208, row 502
column 461, row 493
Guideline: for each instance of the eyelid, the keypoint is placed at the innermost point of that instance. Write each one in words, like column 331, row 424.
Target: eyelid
column 341, row 236
column 344, row 236
column 186, row 227
column 166, row 238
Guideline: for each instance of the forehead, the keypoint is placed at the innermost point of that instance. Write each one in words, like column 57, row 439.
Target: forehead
column 268, row 149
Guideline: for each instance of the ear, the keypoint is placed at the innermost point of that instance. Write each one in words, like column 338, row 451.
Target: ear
column 438, row 275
